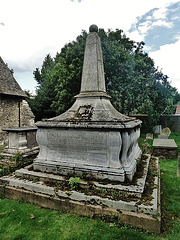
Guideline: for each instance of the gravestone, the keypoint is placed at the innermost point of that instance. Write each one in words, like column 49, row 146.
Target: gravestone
column 92, row 136
column 165, row 133
column 162, row 136
column 149, row 136
column 158, row 129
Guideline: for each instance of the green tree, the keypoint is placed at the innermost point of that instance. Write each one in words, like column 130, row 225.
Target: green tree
column 132, row 80
column 45, row 94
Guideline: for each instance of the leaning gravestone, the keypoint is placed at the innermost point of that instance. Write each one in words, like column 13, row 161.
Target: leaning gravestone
column 165, row 133
column 92, row 136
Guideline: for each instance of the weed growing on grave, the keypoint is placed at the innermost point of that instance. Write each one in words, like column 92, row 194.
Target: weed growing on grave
column 9, row 165
column 74, row 182
column 18, row 158
column 147, row 147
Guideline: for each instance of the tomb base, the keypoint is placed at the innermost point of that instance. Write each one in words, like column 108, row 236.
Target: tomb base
column 98, row 153
column 92, row 198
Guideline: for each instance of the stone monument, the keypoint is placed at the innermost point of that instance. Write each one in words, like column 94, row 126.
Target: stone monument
column 92, row 137
column 94, row 141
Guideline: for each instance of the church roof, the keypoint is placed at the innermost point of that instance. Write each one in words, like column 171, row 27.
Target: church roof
column 8, row 84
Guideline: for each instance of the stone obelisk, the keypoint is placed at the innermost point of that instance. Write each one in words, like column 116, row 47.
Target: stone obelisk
column 92, row 136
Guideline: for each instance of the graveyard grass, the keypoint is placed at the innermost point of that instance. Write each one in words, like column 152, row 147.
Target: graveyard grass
column 23, row 221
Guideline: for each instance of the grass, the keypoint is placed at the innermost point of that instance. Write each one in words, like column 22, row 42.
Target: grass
column 23, row 221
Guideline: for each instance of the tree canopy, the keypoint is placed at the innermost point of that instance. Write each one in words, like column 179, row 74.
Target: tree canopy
column 132, row 80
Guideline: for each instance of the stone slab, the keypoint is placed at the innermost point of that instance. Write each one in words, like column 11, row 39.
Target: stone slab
column 130, row 212
column 165, row 148
column 20, row 129
column 34, row 183
column 139, row 220
column 135, row 189
column 39, row 187
column 164, row 143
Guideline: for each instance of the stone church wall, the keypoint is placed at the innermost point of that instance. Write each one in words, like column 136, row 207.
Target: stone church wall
column 14, row 113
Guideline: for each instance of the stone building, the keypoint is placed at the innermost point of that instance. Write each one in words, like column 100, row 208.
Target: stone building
column 14, row 110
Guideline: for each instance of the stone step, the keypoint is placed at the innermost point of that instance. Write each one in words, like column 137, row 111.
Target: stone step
column 27, row 185
column 136, row 189
column 40, row 187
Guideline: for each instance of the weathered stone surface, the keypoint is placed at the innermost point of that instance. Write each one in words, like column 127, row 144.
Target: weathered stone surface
column 158, row 129
column 162, row 136
column 164, row 143
column 26, row 182
column 21, row 140
column 88, row 137
column 140, row 220
column 28, row 185
column 146, row 216
column 165, row 147
column 14, row 110
column 149, row 136
column 166, row 131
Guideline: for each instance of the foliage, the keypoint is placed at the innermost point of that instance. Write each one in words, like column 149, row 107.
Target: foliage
column 146, row 147
column 74, row 182
column 41, row 103
column 9, row 165
column 176, row 137
column 132, row 80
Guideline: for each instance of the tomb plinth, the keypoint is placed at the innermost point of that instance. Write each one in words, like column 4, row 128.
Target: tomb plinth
column 165, row 147
column 22, row 139
column 92, row 137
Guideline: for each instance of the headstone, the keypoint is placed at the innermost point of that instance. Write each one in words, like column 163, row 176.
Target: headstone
column 166, row 131
column 158, row 129
column 92, row 136
column 178, row 165
column 162, row 136
column 149, row 136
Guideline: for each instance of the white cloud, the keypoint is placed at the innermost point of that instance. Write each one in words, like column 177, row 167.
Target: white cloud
column 162, row 23
column 160, row 13
column 32, row 28
column 167, row 59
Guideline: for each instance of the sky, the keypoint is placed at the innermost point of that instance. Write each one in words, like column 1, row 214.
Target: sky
column 31, row 29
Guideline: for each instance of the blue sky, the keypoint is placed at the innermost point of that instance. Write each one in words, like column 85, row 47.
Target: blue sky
column 30, row 29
